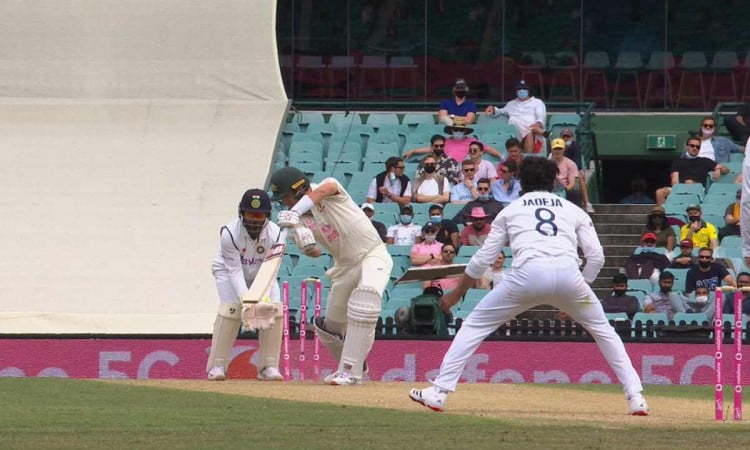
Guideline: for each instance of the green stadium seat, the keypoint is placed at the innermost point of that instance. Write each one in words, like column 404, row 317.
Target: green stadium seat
column 640, row 285
column 690, row 318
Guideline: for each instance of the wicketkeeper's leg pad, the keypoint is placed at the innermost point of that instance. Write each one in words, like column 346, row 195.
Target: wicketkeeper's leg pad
column 363, row 311
column 331, row 339
column 226, row 327
column 269, row 346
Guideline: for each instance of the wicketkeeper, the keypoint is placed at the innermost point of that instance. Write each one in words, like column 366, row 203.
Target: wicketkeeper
column 244, row 243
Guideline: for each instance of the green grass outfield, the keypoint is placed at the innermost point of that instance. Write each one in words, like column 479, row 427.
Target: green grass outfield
column 62, row 413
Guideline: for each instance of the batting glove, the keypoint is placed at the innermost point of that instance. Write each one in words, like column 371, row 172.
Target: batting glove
column 304, row 237
column 288, row 219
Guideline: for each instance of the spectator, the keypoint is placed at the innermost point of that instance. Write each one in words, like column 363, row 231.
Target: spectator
column 447, row 255
column 656, row 223
column 369, row 210
column 476, row 232
column 665, row 300
column 528, row 114
column 646, row 263
column 731, row 218
column 390, row 185
column 494, row 274
column 707, row 273
column 743, row 280
column 430, row 186
column 427, row 252
column 513, row 149
column 702, row 233
column 738, row 125
column 619, row 301
column 485, row 169
column 404, row 232
column 507, row 188
column 684, row 257
column 567, row 173
column 701, row 301
column 447, row 229
column 485, row 200
column 690, row 168
column 637, row 194
column 573, row 152
column 458, row 107
column 457, row 145
column 466, row 190
column 446, row 166
column 716, row 148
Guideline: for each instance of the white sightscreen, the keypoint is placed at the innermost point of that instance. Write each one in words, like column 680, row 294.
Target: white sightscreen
column 129, row 130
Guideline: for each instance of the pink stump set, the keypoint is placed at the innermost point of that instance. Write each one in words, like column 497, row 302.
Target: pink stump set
column 719, row 354
column 286, row 356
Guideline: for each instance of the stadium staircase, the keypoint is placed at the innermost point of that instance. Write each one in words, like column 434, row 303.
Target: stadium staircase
column 619, row 228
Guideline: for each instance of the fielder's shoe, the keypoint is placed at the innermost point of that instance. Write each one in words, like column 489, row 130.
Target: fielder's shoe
column 637, row 405
column 270, row 374
column 430, row 397
column 342, row 379
column 217, row 374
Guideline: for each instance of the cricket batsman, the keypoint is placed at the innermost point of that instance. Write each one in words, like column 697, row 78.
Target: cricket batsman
column 244, row 243
column 361, row 265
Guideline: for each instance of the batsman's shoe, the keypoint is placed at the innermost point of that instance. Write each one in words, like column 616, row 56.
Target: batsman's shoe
column 430, row 397
column 637, row 406
column 342, row 379
column 270, row 374
column 217, row 374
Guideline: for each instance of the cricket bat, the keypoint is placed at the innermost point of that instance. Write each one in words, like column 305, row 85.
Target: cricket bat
column 414, row 274
column 267, row 271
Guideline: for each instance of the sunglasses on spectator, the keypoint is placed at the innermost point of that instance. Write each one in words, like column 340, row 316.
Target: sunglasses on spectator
column 430, row 231
column 449, row 252
column 438, row 145
column 504, row 170
column 399, row 167
column 708, row 125
column 704, row 257
column 483, row 189
column 694, row 146
column 473, row 169
column 474, row 150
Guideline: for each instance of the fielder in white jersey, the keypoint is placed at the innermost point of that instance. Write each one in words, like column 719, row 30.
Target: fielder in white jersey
column 244, row 243
column 544, row 232
column 361, row 265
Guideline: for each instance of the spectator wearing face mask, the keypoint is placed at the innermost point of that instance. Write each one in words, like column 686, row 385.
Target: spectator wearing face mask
column 528, row 114
column 447, row 229
column 391, row 185
column 458, row 107
column 619, row 301
column 702, row 233
column 446, row 166
column 716, row 148
column 427, row 253
column 404, row 232
column 485, row 201
column 701, row 301
column 707, row 273
column 689, row 168
column 656, row 223
column 743, row 280
column 457, row 144
column 430, row 187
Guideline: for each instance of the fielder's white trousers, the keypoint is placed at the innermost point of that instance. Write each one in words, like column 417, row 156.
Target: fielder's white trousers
column 556, row 282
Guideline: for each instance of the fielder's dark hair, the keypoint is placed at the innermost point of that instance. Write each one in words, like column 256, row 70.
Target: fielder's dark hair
column 436, row 137
column 620, row 278
column 512, row 142
column 537, row 174
column 666, row 275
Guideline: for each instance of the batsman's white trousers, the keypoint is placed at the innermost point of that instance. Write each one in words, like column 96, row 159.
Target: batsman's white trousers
column 556, row 282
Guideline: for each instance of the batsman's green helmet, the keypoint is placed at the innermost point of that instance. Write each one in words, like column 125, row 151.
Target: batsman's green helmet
column 286, row 180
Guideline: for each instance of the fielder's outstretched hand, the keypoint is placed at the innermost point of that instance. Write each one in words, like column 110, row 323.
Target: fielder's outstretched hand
column 448, row 300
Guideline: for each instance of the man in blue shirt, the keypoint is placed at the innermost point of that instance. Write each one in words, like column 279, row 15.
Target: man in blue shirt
column 458, row 107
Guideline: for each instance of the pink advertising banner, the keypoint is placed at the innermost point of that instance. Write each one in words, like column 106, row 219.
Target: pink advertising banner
column 494, row 362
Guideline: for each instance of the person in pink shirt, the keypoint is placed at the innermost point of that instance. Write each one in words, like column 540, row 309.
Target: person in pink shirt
column 476, row 232
column 457, row 144
column 447, row 254
column 567, row 172
column 427, row 252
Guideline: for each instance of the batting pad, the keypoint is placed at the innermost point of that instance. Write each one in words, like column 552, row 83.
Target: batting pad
column 363, row 311
column 332, row 341
column 269, row 346
column 226, row 327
